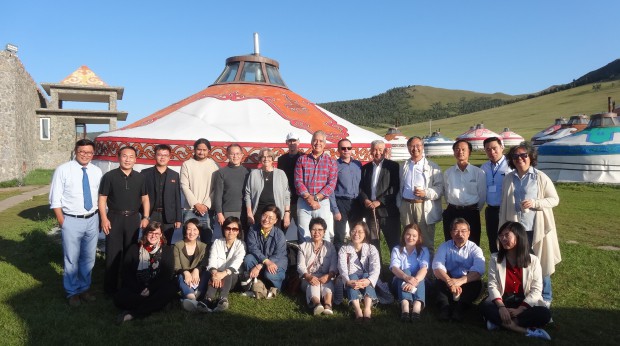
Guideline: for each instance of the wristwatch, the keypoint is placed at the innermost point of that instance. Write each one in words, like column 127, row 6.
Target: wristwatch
column 316, row 198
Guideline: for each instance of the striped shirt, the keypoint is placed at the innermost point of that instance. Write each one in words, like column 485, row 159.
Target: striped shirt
column 315, row 176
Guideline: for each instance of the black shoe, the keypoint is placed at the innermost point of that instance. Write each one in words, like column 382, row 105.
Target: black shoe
column 404, row 317
column 444, row 315
column 457, row 314
column 415, row 317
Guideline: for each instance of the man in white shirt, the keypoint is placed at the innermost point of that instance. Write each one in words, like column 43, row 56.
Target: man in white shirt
column 465, row 191
column 196, row 184
column 421, row 187
column 73, row 198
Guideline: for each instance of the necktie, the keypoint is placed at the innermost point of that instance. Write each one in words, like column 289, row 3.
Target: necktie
column 88, row 200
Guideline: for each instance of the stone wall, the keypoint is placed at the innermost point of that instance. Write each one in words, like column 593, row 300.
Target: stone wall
column 19, row 123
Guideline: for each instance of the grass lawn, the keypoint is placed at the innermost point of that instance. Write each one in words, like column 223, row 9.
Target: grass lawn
column 33, row 309
column 35, row 177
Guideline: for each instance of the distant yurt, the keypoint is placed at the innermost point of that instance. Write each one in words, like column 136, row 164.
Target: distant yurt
column 476, row 136
column 438, row 145
column 551, row 129
column 399, row 151
column 590, row 156
column 575, row 124
column 510, row 138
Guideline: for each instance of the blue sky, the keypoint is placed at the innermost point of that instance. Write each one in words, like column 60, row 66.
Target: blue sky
column 164, row 51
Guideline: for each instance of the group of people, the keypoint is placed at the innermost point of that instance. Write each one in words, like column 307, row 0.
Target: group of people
column 322, row 196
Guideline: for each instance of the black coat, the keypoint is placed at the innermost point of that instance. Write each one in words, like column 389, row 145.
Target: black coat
column 172, row 194
column 387, row 187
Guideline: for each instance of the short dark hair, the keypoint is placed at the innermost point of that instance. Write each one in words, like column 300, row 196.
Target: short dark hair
column 234, row 145
column 273, row 208
column 318, row 221
column 418, row 244
column 151, row 227
column 462, row 141
column 344, row 140
column 159, row 147
column 84, row 142
column 414, row 137
column 364, row 226
column 492, row 139
column 522, row 247
column 459, row 221
column 233, row 219
column 193, row 221
column 120, row 151
column 531, row 150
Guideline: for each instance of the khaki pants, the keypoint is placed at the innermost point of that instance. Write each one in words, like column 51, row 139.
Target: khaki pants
column 414, row 213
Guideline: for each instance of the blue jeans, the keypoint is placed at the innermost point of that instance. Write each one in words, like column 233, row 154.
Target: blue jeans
column 200, row 290
column 354, row 294
column 250, row 261
column 420, row 294
column 546, row 289
column 79, row 244
column 305, row 213
column 206, row 233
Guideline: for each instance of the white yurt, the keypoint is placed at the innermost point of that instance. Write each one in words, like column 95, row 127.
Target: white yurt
column 438, row 145
column 510, row 138
column 588, row 156
column 476, row 136
column 399, row 151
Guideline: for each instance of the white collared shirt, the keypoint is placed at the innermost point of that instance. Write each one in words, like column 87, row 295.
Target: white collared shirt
column 66, row 189
column 414, row 177
column 376, row 172
column 467, row 187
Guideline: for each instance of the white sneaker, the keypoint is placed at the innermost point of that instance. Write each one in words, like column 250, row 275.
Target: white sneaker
column 328, row 310
column 492, row 326
column 189, row 304
column 222, row 305
column 538, row 333
column 318, row 309
column 273, row 292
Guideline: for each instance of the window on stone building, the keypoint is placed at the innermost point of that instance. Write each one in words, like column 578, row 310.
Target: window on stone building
column 44, row 129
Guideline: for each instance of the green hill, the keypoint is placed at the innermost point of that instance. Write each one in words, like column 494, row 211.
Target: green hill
column 406, row 105
column 525, row 117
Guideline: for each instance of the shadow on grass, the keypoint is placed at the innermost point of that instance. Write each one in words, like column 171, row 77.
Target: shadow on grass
column 42, row 316
column 38, row 213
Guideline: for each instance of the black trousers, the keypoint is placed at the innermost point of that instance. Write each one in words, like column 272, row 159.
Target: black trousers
column 166, row 228
column 351, row 212
column 472, row 216
column 471, row 291
column 123, row 234
column 390, row 226
column 533, row 317
column 491, row 215
column 139, row 306
column 228, row 283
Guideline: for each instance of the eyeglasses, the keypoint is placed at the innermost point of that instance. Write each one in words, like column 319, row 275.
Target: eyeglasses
column 233, row 229
column 460, row 231
column 162, row 155
column 86, row 153
column 266, row 158
column 522, row 156
column 268, row 218
column 154, row 234
column 317, row 230
column 346, row 148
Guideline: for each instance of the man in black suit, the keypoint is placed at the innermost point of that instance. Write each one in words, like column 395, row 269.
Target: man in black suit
column 378, row 190
column 164, row 190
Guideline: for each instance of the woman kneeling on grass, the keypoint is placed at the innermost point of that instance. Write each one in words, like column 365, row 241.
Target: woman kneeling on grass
column 266, row 260
column 359, row 265
column 147, row 276
column 409, row 263
column 317, row 264
column 515, row 284
column 224, row 262
column 190, row 261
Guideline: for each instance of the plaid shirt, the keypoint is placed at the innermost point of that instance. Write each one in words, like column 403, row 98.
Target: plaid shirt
column 315, row 176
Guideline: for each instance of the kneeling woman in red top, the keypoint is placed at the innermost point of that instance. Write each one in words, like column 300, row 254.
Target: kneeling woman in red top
column 515, row 285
